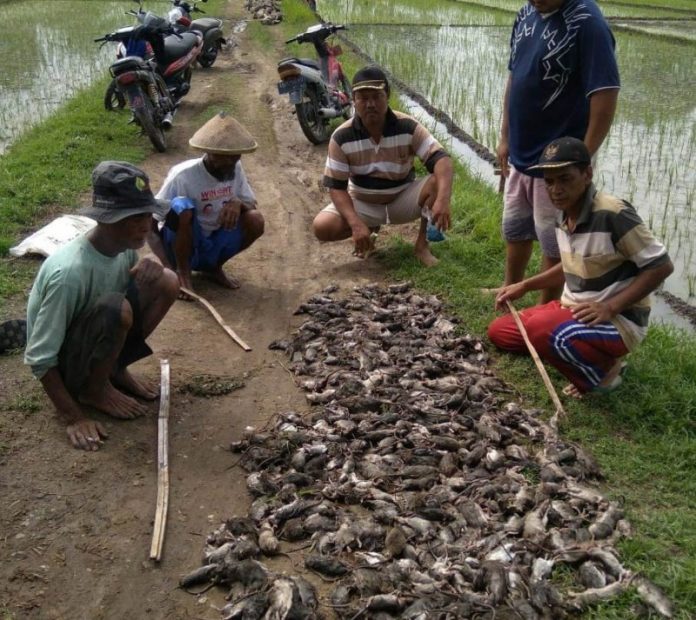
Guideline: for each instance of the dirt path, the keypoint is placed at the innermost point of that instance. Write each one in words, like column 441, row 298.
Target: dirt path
column 75, row 528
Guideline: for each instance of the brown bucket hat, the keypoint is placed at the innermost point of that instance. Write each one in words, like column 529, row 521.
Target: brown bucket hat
column 224, row 135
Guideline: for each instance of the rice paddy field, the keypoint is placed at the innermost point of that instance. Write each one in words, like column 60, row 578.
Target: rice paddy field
column 455, row 53
column 48, row 54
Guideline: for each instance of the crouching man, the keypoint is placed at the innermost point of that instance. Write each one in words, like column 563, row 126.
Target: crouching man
column 213, row 214
column 610, row 263
column 94, row 303
column 370, row 175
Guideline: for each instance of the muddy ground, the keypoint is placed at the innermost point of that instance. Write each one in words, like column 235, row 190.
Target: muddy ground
column 75, row 528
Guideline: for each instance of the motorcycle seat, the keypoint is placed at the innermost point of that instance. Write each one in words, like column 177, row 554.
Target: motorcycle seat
column 129, row 63
column 307, row 62
column 205, row 23
column 175, row 47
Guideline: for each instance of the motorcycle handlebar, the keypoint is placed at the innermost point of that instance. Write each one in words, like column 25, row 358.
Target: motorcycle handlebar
column 305, row 36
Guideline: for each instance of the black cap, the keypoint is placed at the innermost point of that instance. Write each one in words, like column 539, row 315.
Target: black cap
column 563, row 152
column 120, row 191
column 370, row 78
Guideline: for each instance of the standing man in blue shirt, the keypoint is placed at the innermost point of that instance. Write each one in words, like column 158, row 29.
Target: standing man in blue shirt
column 563, row 81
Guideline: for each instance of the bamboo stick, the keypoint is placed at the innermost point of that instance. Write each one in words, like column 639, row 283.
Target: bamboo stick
column 230, row 332
column 540, row 366
column 162, row 466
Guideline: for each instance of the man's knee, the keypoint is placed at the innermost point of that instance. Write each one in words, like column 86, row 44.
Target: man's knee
column 169, row 284
column 116, row 308
column 253, row 224
column 329, row 227
column 428, row 192
column 164, row 289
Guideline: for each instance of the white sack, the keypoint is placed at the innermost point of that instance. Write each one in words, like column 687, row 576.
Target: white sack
column 48, row 239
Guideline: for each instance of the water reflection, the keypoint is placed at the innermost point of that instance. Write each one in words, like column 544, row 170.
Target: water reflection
column 47, row 53
column 650, row 155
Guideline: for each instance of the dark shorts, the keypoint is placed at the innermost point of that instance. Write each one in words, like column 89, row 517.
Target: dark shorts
column 210, row 252
column 92, row 337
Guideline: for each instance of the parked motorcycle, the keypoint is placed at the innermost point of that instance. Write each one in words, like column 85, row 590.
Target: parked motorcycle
column 319, row 90
column 154, row 87
column 209, row 27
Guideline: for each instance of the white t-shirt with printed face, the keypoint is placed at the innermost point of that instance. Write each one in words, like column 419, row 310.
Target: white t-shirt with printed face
column 192, row 179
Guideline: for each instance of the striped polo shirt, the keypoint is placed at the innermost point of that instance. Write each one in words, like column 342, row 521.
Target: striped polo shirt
column 377, row 173
column 609, row 247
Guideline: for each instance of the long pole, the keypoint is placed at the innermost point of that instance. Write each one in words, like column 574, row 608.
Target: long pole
column 162, row 466
column 540, row 366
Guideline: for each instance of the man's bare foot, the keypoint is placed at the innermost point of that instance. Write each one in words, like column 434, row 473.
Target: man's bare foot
column 611, row 381
column 127, row 382
column 223, row 279
column 572, row 391
column 111, row 401
column 423, row 254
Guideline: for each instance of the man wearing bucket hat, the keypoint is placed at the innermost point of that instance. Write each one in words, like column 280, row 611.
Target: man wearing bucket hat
column 369, row 172
column 610, row 263
column 93, row 303
column 213, row 214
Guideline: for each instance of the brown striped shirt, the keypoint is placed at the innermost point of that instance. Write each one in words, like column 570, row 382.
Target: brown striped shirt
column 609, row 247
column 377, row 173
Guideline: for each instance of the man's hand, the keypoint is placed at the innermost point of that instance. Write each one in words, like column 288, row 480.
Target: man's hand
column 146, row 271
column 593, row 312
column 509, row 293
column 441, row 214
column 185, row 283
column 86, row 434
column 229, row 216
column 361, row 238
column 503, row 153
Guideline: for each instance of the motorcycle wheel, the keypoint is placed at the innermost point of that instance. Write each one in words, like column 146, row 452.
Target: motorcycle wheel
column 314, row 127
column 146, row 119
column 113, row 98
column 208, row 57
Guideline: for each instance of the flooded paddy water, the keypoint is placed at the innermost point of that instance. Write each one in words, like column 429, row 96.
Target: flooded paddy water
column 47, row 53
column 455, row 55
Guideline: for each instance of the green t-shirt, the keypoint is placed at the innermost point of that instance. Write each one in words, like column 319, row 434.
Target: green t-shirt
column 69, row 282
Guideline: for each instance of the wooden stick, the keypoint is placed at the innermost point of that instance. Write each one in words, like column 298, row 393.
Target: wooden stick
column 540, row 366
column 230, row 332
column 162, row 466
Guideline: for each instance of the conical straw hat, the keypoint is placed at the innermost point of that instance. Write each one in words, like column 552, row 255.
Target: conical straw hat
column 224, row 135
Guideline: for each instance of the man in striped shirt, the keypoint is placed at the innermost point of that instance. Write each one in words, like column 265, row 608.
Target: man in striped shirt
column 610, row 263
column 369, row 172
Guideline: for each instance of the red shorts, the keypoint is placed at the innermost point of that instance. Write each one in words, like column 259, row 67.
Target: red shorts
column 582, row 353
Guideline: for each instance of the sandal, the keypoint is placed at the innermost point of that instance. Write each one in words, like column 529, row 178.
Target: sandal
column 13, row 335
column 610, row 387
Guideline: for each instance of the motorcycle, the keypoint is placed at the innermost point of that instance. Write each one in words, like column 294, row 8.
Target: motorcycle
column 209, row 27
column 153, row 87
column 113, row 98
column 319, row 90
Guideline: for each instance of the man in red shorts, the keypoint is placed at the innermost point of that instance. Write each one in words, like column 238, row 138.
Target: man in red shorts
column 610, row 263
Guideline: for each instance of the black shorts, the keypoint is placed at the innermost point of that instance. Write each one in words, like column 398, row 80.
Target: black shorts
column 91, row 338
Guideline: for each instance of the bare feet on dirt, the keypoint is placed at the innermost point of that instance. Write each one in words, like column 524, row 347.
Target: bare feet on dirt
column 424, row 255
column 111, row 401
column 136, row 386
column 223, row 279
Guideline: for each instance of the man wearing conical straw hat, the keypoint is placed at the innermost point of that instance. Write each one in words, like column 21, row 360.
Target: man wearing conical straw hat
column 213, row 214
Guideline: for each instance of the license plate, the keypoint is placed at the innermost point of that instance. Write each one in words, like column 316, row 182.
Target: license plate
column 137, row 102
column 288, row 86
